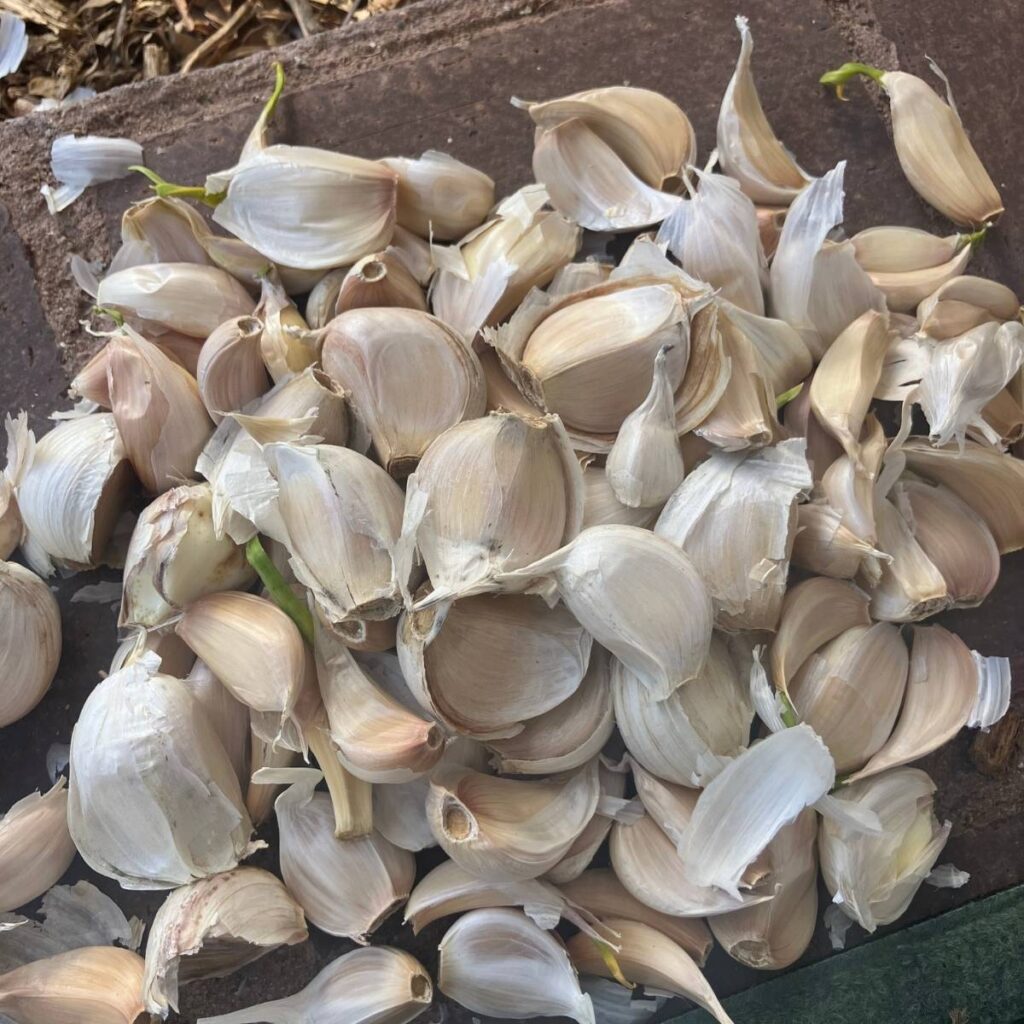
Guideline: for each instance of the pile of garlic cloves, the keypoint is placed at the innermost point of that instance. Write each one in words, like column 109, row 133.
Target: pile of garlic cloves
column 605, row 579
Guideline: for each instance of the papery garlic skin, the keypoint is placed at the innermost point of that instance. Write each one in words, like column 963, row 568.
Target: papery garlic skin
column 30, row 641
column 35, row 846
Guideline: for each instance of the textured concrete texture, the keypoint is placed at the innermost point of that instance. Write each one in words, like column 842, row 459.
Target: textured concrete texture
column 439, row 75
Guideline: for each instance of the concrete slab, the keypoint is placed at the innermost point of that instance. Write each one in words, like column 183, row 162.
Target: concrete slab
column 439, row 75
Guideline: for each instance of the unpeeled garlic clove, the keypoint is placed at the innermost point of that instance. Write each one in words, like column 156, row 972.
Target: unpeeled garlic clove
column 409, row 377
column 230, row 372
column 174, row 557
column 825, row 546
column 873, row 878
column 440, row 197
column 748, row 149
column 822, row 448
column 213, row 927
column 964, row 303
column 260, row 796
column 287, row 344
column 840, row 291
column 499, row 963
column 91, row 985
column 35, row 846
column 30, row 637
column 378, row 985
column 502, row 829
column 229, row 717
column 483, row 665
column 782, row 357
column 601, row 507
column 647, row 957
column 378, row 280
column 322, row 301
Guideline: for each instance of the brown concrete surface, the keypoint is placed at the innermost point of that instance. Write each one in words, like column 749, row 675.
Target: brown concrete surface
column 439, row 75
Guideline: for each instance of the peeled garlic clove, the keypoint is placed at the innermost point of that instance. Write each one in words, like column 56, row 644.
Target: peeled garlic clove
column 645, row 464
column 30, row 636
column 964, row 303
column 774, row 935
column 482, row 665
column 626, row 587
column 410, row 378
column 850, row 691
column 502, row 829
column 600, row 892
column 158, row 410
column 377, row 738
column 956, row 541
column 568, row 735
column 647, row 957
column 73, row 488
column 154, row 800
column 825, row 546
column 230, row 372
column 489, row 496
column 748, row 149
column 35, row 846
column 251, row 646
column 343, row 515
column 378, row 280
column 601, row 507
column 379, row 985
column 345, row 886
column 174, row 558
column 499, row 963
column 184, row 297
column 690, row 733
column 287, row 344
column 735, row 517
column 211, row 928
column 440, row 197
column 91, row 985
column 873, row 878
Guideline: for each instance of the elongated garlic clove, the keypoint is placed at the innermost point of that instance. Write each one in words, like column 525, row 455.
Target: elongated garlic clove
column 503, row 829
column 91, row 985
column 345, row 886
column 601, row 507
column 228, row 716
column 73, row 488
column 35, row 846
column 343, row 515
column 378, row 280
column 491, row 495
column 964, row 303
column 378, row 985
column 645, row 464
column 499, row 963
column 212, row 927
column 174, row 558
column 483, row 665
column 230, row 372
column 850, row 692
column 873, row 878
column 735, row 517
column 774, row 935
column 409, row 377
column 440, row 197
column 626, row 587
column 30, row 638
column 647, row 957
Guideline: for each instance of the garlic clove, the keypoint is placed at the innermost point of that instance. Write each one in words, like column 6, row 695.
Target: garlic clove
column 707, row 377
column 502, row 393
column 20, row 449
column 230, row 372
column 840, row 292
column 823, row 450
column 91, row 985
column 647, row 957
column 35, row 846
column 748, row 149
column 409, row 378
column 322, row 301
column 601, row 507
column 850, row 488
column 176, row 658
column 770, row 220
column 1003, row 418
column 30, row 639
column 377, row 985
column 213, row 927
column 783, row 358
column 378, row 280
column 228, row 716
column 260, row 796
column 825, row 546
column 287, row 345
column 963, row 303
column 504, row 829
column 499, row 963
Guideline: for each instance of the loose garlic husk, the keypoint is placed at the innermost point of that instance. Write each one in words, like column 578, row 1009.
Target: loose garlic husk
column 379, row 985
column 873, row 878
column 35, row 846
column 378, row 280
column 491, row 495
column 964, row 303
column 409, row 377
column 502, row 829
column 230, row 372
column 30, row 638
column 499, row 963
column 91, row 985
column 483, row 665
column 212, row 927
column 440, row 197
column 174, row 558
column 154, row 800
